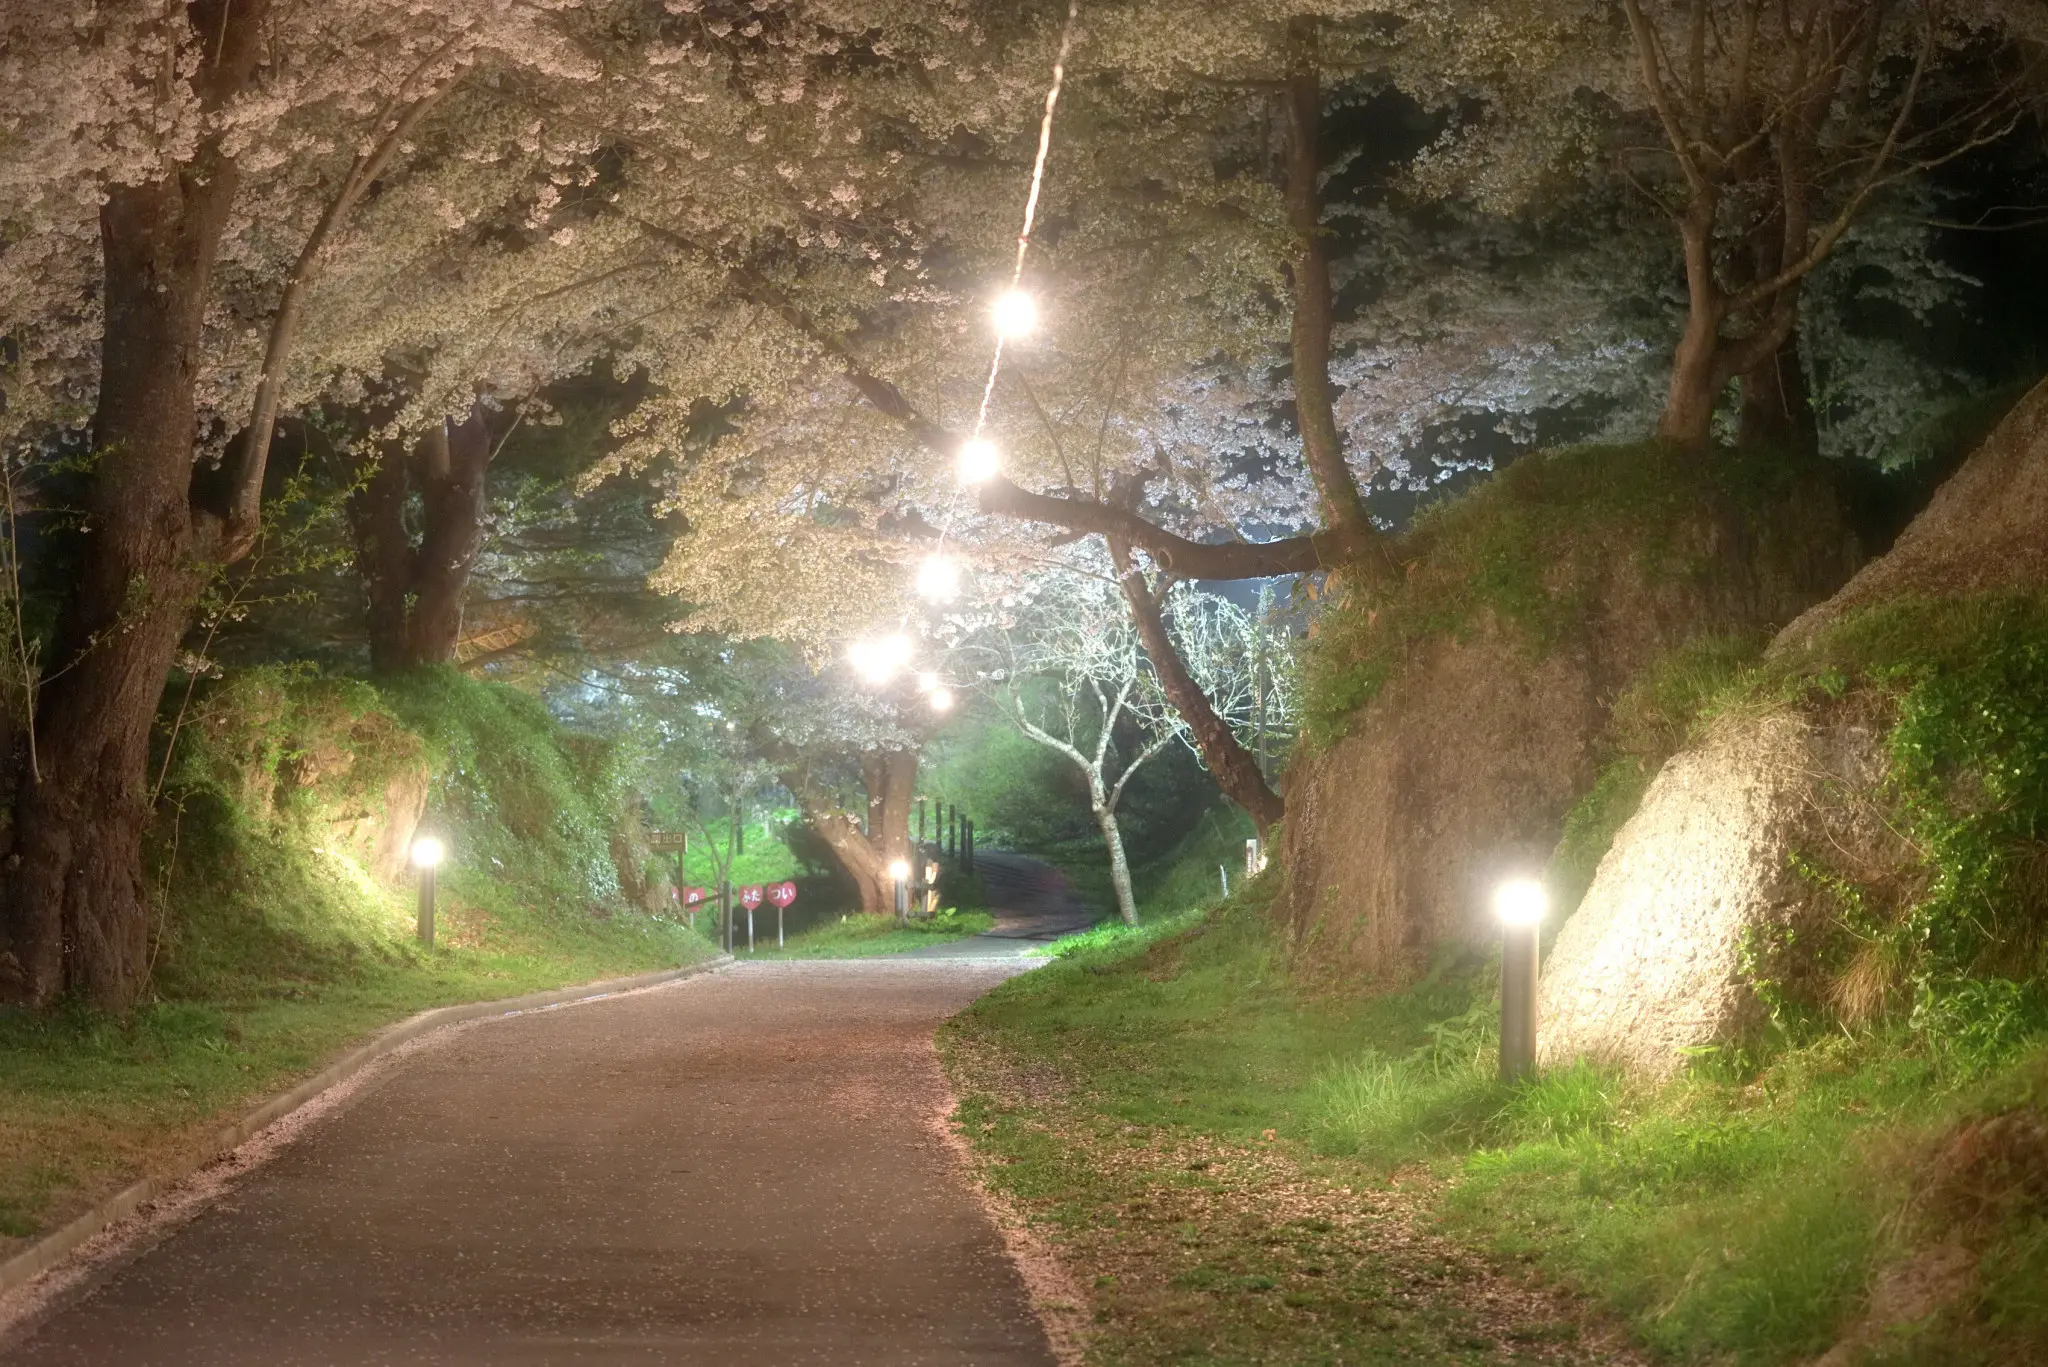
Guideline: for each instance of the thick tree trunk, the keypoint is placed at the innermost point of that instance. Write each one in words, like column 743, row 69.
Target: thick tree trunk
column 77, row 914
column 384, row 558
column 1696, row 375
column 1119, row 865
column 1314, row 310
column 453, row 459
column 1235, row 769
column 413, row 595
column 890, row 777
column 1776, row 410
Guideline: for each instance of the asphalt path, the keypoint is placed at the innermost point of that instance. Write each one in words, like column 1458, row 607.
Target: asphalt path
column 743, row 1167
column 1034, row 905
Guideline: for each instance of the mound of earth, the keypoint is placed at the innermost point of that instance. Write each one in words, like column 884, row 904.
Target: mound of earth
column 1701, row 885
column 1487, row 677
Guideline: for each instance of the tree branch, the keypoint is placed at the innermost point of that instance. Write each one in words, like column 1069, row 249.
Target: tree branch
column 245, row 508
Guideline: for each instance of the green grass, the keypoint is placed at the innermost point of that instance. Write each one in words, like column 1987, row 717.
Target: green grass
column 1735, row 1215
column 861, row 936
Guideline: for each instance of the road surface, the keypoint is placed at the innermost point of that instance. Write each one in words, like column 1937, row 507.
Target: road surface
column 1034, row 905
column 739, row 1168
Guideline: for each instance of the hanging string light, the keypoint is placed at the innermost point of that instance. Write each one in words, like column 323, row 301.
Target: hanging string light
column 978, row 462
column 1016, row 312
column 938, row 579
column 1014, row 315
column 880, row 661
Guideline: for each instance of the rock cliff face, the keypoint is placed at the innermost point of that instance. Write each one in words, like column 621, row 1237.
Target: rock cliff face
column 1464, row 762
column 1700, row 884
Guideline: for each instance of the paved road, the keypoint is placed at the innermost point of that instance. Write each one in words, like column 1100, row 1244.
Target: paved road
column 1034, row 906
column 737, row 1169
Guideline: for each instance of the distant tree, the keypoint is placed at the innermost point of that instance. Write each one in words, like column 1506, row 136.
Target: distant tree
column 1069, row 669
column 1762, row 130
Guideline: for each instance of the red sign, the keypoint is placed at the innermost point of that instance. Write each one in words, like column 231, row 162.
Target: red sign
column 695, row 895
column 782, row 894
column 750, row 896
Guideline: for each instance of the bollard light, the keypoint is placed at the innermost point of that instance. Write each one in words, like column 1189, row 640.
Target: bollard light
column 1520, row 905
column 899, row 873
column 427, row 851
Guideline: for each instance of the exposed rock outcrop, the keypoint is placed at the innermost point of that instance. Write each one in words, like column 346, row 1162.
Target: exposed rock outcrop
column 1703, row 877
column 1465, row 761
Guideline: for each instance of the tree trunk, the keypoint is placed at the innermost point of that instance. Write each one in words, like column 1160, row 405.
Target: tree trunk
column 1314, row 310
column 453, row 459
column 1776, row 410
column 1119, row 866
column 1235, row 769
column 77, row 913
column 413, row 595
column 890, row 776
column 384, row 558
column 1696, row 377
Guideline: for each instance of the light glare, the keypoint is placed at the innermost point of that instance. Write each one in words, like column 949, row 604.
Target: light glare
column 426, row 851
column 938, row 579
column 942, row 699
column 979, row 461
column 1520, row 902
column 899, row 869
column 880, row 661
column 1016, row 314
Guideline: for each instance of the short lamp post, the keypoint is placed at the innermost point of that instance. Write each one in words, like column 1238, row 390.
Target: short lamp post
column 899, row 874
column 426, row 857
column 1520, row 905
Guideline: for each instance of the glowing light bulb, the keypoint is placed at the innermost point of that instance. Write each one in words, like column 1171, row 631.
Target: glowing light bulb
column 899, row 869
column 942, row 699
column 879, row 661
column 938, row 579
column 979, row 461
column 1520, row 902
column 426, row 851
column 1016, row 314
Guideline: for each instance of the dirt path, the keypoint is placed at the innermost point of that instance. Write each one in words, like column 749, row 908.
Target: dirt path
column 741, row 1168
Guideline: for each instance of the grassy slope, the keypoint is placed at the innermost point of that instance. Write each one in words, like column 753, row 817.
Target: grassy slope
column 858, row 936
column 280, row 949
column 1787, row 1195
column 1733, row 1219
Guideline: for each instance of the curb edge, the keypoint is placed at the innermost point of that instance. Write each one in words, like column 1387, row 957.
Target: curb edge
column 50, row 1250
